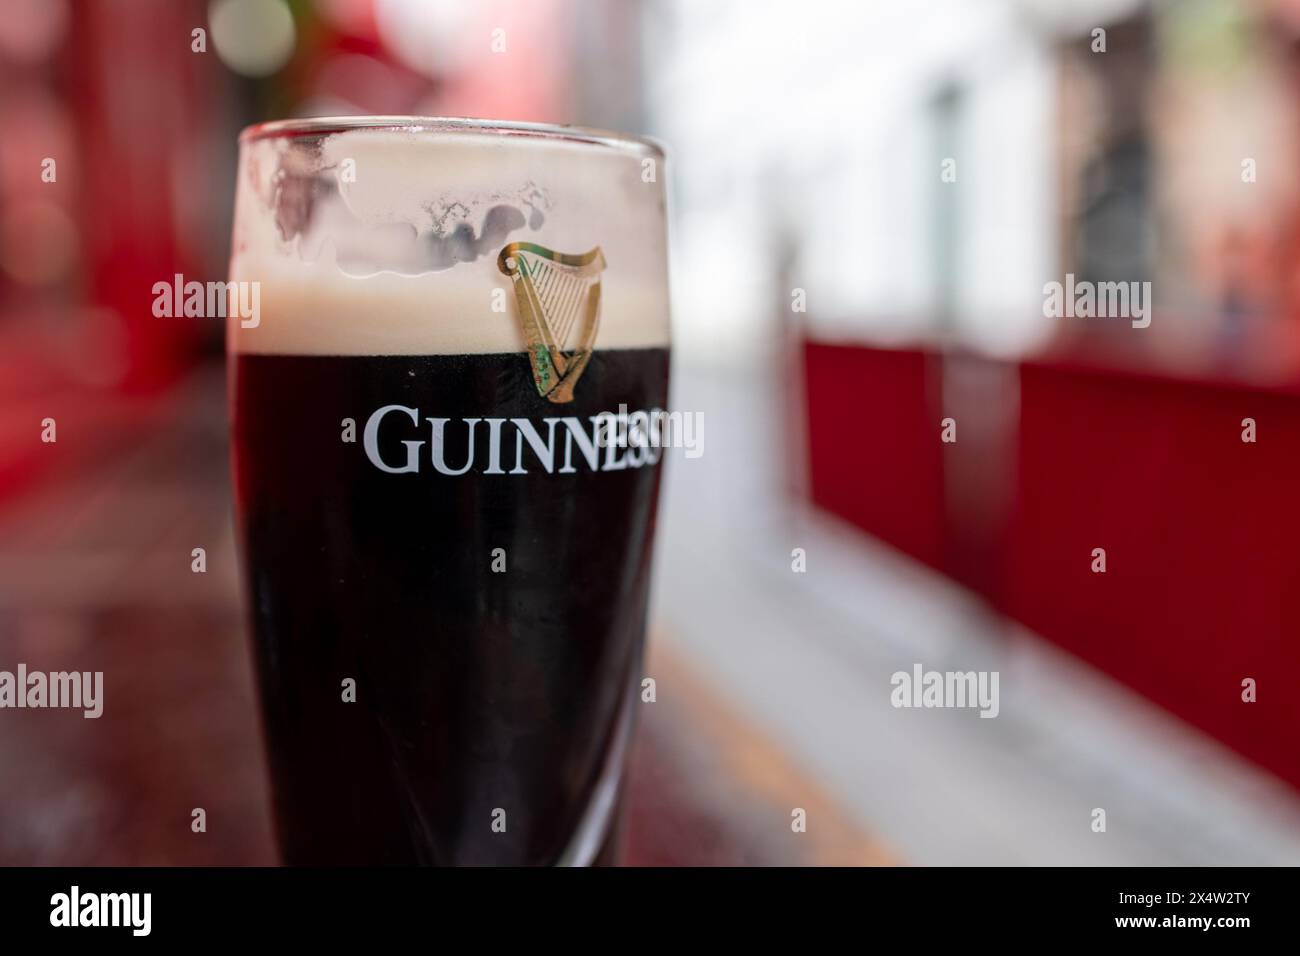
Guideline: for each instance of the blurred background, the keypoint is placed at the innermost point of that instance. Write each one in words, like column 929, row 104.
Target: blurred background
column 868, row 200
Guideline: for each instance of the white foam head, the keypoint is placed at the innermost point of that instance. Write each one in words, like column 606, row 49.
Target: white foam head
column 382, row 239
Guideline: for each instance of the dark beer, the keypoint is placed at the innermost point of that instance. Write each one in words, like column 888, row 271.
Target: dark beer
column 477, row 689
column 446, row 541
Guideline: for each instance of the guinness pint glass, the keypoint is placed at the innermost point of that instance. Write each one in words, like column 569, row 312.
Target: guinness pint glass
column 446, row 556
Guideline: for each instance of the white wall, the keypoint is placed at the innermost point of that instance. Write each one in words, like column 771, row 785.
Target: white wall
column 819, row 114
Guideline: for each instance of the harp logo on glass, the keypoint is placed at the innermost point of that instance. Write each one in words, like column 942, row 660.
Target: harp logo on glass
column 559, row 310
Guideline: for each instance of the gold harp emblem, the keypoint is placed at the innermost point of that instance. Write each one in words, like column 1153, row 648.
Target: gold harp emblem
column 559, row 308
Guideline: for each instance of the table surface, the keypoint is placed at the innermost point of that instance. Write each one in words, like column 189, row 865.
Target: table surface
column 95, row 574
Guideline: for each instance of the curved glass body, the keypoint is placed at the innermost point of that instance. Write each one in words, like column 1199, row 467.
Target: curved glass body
column 446, row 559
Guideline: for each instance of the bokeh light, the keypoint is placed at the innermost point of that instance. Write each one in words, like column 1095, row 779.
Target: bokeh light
column 252, row 37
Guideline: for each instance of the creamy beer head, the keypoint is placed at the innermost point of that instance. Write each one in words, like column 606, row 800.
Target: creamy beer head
column 383, row 236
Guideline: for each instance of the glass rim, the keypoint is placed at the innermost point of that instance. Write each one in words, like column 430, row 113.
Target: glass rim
column 326, row 125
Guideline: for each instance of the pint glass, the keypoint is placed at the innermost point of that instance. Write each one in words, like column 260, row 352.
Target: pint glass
column 445, row 551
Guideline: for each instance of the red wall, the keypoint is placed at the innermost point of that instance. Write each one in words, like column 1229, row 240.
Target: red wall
column 875, row 455
column 1201, row 530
